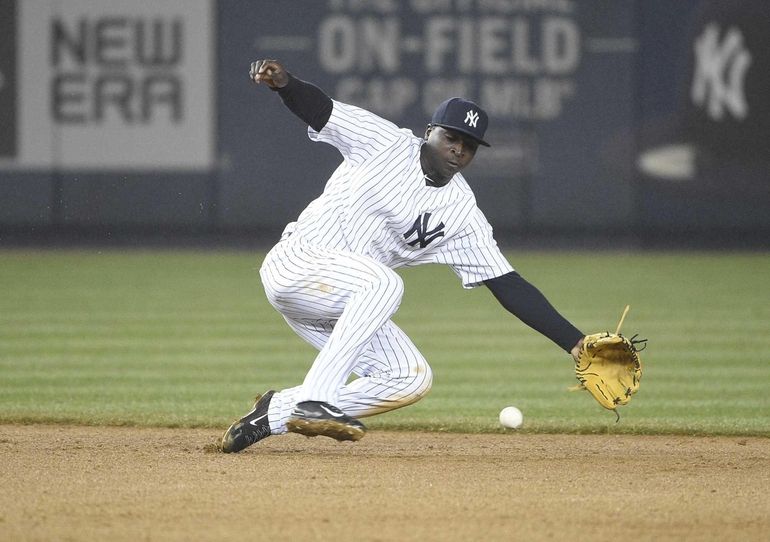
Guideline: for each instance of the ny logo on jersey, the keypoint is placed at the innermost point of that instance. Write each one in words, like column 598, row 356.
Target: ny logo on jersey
column 471, row 118
column 720, row 72
column 424, row 236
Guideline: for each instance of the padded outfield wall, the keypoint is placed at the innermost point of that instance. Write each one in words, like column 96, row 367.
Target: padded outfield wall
column 644, row 119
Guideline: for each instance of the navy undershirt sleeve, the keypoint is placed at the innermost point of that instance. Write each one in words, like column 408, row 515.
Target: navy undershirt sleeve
column 527, row 303
column 307, row 101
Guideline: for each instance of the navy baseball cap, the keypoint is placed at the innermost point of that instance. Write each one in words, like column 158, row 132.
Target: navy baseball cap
column 463, row 116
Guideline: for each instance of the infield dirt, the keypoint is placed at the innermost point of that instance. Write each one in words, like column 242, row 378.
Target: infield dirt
column 119, row 483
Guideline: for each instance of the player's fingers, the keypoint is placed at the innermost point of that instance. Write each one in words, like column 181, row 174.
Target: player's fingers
column 266, row 65
column 257, row 71
column 267, row 70
column 262, row 73
column 263, row 70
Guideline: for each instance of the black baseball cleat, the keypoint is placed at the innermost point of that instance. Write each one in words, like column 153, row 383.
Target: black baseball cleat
column 252, row 428
column 316, row 418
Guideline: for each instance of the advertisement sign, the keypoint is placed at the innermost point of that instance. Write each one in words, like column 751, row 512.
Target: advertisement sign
column 401, row 59
column 555, row 77
column 7, row 78
column 109, row 84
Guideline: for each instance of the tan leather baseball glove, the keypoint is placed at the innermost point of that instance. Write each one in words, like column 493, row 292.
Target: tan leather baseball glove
column 609, row 367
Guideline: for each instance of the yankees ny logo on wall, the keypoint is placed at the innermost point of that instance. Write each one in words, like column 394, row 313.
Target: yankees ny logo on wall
column 424, row 236
column 720, row 72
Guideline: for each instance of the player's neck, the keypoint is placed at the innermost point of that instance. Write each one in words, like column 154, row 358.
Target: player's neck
column 431, row 182
column 429, row 174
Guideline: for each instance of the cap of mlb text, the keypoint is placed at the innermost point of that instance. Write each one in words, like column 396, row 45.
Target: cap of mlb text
column 464, row 116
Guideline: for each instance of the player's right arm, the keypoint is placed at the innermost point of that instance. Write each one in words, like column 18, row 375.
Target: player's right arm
column 357, row 133
column 304, row 99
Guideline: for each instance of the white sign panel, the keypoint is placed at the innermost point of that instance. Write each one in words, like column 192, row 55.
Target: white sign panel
column 113, row 84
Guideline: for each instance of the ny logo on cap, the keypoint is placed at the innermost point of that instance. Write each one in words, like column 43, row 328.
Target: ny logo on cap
column 471, row 118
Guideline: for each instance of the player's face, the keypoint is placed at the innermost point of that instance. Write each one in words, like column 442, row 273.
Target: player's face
column 450, row 151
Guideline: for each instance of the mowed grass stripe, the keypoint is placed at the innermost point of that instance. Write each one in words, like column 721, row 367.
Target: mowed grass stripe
column 186, row 338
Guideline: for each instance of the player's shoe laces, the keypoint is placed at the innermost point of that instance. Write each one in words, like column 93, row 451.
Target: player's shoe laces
column 316, row 418
column 252, row 428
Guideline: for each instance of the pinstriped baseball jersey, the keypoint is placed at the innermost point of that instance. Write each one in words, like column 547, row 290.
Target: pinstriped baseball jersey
column 377, row 203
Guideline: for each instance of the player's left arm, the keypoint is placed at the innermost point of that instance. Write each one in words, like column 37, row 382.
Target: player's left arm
column 526, row 302
column 477, row 259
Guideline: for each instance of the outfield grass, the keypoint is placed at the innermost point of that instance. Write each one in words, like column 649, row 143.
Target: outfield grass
column 184, row 338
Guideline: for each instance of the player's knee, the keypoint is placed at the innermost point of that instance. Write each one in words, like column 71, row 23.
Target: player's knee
column 425, row 379
column 420, row 380
column 388, row 288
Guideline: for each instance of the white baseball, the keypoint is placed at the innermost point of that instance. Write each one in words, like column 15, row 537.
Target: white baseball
column 511, row 417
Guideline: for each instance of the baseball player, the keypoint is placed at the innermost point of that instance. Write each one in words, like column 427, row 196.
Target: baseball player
column 395, row 200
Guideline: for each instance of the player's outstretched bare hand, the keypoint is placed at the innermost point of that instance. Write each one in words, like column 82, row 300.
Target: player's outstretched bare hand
column 270, row 72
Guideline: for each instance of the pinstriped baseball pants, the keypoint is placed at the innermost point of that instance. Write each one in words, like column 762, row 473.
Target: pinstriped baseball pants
column 341, row 303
